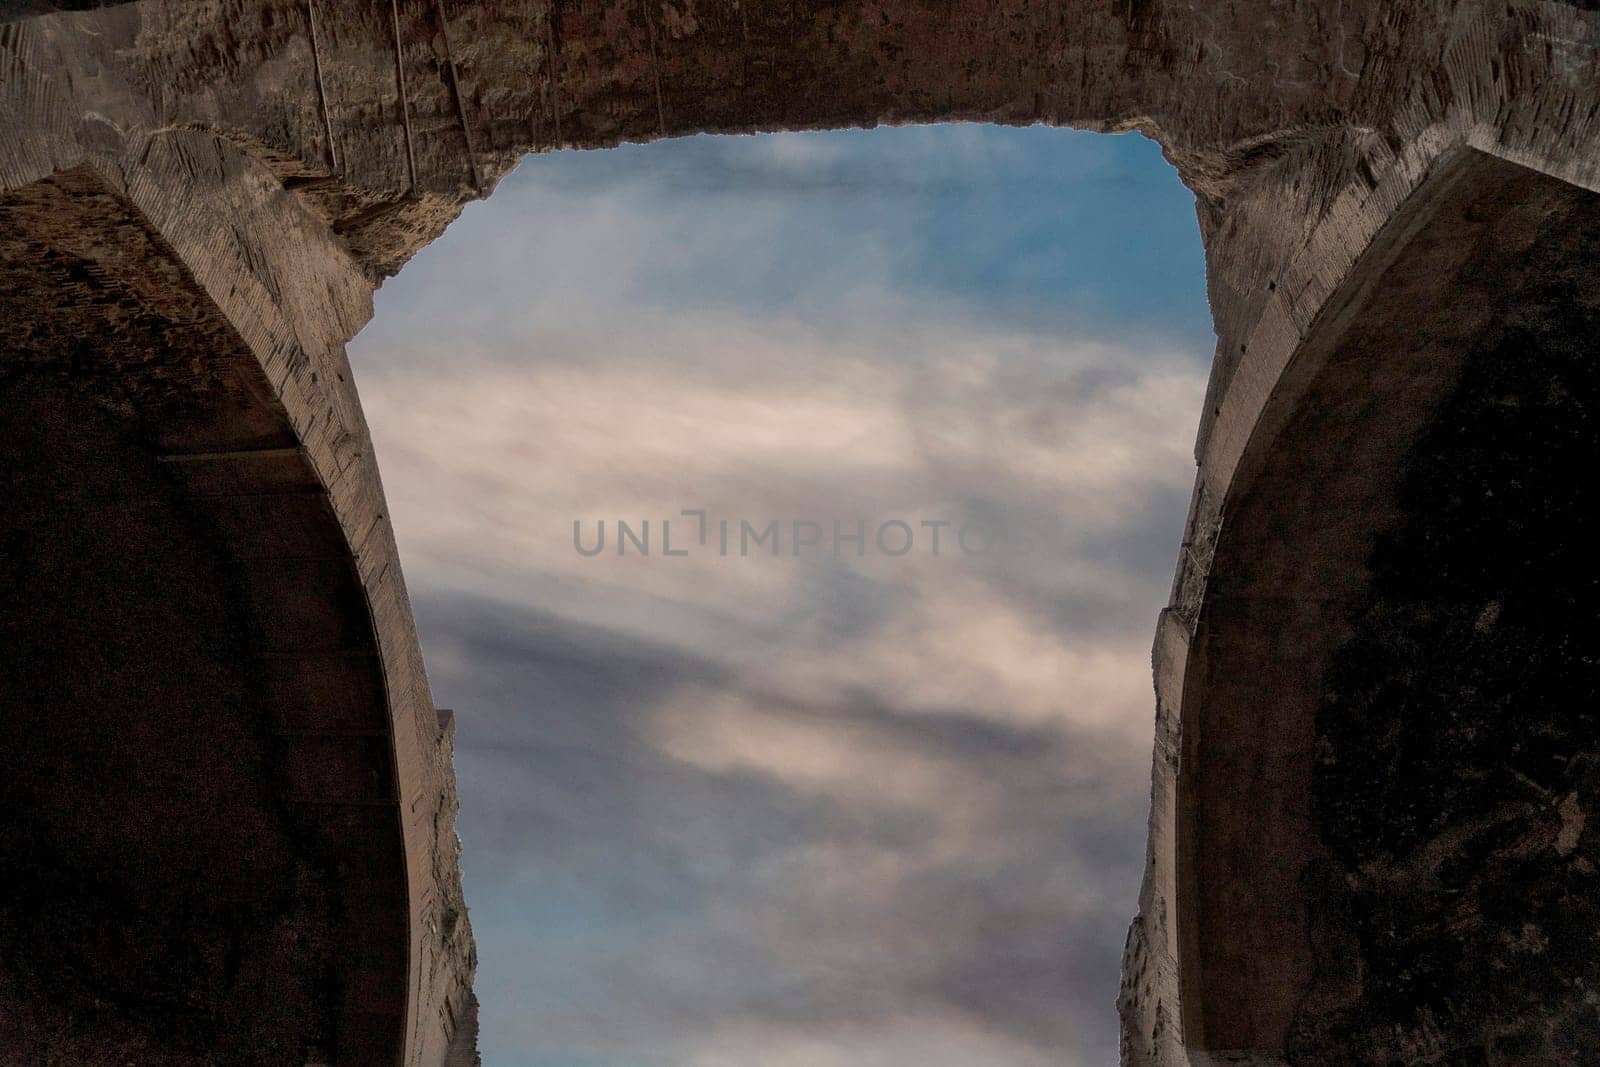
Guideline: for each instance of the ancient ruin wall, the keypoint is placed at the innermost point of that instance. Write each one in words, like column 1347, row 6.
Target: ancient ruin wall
column 295, row 153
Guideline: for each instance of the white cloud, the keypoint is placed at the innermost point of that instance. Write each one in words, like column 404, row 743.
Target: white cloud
column 954, row 736
column 946, row 1040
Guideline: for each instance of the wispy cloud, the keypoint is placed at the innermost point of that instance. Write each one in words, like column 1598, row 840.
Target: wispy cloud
column 850, row 810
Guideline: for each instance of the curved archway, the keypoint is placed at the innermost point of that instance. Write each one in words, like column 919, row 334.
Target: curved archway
column 286, row 163
column 206, row 841
column 1305, row 800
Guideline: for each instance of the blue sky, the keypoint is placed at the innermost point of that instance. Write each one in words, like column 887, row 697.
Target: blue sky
column 837, row 810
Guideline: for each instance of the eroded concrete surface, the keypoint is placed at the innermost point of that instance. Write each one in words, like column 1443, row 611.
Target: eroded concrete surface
column 1392, row 880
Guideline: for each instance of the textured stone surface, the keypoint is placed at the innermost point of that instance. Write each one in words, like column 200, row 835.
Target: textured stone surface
column 290, row 154
column 124, row 627
column 205, row 840
column 1293, row 569
column 1457, row 754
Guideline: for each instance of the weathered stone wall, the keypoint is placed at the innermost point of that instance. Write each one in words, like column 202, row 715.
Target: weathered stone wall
column 1267, row 914
column 242, row 249
column 1455, row 780
column 225, row 816
column 149, row 860
column 293, row 153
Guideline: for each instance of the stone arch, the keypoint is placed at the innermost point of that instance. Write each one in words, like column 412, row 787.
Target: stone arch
column 287, row 155
column 211, row 808
column 1291, row 583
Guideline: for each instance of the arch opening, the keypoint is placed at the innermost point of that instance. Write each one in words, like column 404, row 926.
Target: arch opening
column 290, row 171
column 203, row 843
column 1385, row 769
column 927, row 324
